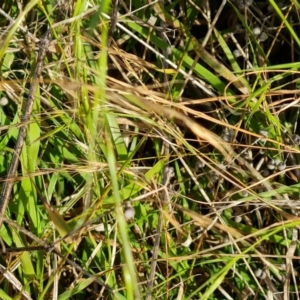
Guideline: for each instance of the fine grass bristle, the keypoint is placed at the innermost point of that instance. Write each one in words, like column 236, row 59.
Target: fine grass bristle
column 149, row 150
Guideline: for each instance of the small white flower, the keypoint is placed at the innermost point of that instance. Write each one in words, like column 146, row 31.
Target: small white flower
column 281, row 166
column 200, row 164
column 242, row 4
column 101, row 227
column 256, row 31
column 236, row 53
column 170, row 171
column 263, row 275
column 169, row 50
column 295, row 139
column 238, row 219
column 263, row 132
column 277, row 161
column 3, row 101
column 188, row 242
column 214, row 177
column 263, row 37
column 228, row 135
column 271, row 165
column 129, row 213
column 258, row 272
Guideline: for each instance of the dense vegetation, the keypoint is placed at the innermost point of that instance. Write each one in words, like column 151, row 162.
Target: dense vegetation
column 149, row 150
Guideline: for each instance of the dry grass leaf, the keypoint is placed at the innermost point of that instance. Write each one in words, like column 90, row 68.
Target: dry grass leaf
column 196, row 128
column 205, row 222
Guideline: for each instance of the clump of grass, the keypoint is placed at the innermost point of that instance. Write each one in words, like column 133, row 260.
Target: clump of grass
column 161, row 153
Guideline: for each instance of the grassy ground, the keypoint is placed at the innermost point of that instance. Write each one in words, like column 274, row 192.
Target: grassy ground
column 159, row 158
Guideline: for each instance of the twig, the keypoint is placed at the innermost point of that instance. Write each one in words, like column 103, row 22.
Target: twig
column 164, row 194
column 164, row 197
column 8, row 185
column 113, row 21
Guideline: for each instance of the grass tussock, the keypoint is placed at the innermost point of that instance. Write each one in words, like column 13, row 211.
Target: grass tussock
column 149, row 150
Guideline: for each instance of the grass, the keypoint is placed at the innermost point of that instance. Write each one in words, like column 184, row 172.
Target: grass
column 161, row 158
